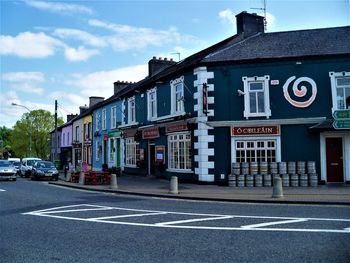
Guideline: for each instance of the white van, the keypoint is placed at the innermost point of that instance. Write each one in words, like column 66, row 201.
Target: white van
column 27, row 166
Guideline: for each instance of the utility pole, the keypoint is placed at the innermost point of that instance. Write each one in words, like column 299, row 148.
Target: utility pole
column 56, row 137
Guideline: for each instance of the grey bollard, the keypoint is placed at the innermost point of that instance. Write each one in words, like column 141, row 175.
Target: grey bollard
column 69, row 176
column 81, row 178
column 114, row 184
column 277, row 188
column 173, row 185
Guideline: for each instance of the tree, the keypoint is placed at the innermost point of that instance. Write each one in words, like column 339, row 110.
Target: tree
column 36, row 124
column 5, row 149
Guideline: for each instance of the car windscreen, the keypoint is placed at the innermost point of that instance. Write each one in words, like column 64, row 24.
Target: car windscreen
column 45, row 165
column 5, row 164
column 31, row 162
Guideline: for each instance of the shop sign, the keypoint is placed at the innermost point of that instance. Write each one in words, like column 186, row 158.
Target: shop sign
column 114, row 134
column 129, row 133
column 150, row 133
column 255, row 130
column 176, row 128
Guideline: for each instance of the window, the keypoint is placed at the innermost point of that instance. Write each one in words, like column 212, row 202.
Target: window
column 64, row 139
column 86, row 131
column 77, row 138
column 179, row 147
column 256, row 97
column 97, row 146
column 89, row 130
column 177, row 95
column 111, row 149
column 89, row 155
column 340, row 82
column 152, row 104
column 104, row 119
column 131, row 110
column 97, row 123
column 256, row 151
column 130, row 151
column 68, row 141
column 113, row 117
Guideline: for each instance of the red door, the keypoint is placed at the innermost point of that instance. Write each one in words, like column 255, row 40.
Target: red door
column 334, row 155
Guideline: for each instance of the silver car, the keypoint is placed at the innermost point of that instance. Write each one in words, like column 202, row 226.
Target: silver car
column 7, row 170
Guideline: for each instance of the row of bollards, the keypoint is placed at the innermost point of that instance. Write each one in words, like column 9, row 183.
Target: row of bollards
column 277, row 184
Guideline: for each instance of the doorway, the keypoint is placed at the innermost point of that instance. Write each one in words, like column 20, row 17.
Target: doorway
column 151, row 158
column 334, row 160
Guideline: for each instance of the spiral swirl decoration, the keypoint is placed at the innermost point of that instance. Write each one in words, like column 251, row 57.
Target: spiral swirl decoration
column 300, row 91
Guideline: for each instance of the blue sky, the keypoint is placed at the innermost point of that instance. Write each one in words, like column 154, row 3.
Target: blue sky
column 70, row 50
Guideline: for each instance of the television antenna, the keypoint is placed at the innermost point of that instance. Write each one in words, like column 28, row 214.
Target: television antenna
column 264, row 10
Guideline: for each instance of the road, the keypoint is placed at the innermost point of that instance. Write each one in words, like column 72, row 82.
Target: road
column 44, row 223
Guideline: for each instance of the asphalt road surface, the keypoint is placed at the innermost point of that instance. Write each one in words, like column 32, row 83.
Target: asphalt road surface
column 44, row 223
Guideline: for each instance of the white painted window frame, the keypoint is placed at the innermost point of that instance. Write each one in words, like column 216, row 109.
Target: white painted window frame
column 131, row 110
column 173, row 84
column 171, row 169
column 234, row 139
column 113, row 117
column 130, row 145
column 104, row 119
column 333, row 78
column 97, row 117
column 152, row 104
column 267, row 111
column 97, row 158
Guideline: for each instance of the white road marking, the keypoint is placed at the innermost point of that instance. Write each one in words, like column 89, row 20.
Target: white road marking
column 180, row 223
column 124, row 216
column 275, row 223
column 193, row 220
column 2, row 190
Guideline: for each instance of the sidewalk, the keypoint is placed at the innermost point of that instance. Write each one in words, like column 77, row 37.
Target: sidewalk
column 151, row 186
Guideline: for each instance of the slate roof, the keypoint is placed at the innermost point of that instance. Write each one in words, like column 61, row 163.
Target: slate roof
column 289, row 44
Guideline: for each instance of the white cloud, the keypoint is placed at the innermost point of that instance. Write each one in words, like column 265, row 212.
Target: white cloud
column 127, row 37
column 59, row 7
column 29, row 45
column 227, row 15
column 26, row 82
column 9, row 114
column 79, row 54
column 101, row 83
column 68, row 96
column 23, row 76
column 85, row 37
column 270, row 19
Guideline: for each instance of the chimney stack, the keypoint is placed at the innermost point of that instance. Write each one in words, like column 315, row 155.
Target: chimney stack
column 83, row 109
column 249, row 24
column 119, row 85
column 157, row 65
column 71, row 116
column 94, row 100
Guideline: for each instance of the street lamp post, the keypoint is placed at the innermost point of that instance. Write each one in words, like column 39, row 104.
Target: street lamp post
column 30, row 126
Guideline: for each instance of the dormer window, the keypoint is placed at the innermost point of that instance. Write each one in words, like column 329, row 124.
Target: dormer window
column 256, row 97
column 177, row 95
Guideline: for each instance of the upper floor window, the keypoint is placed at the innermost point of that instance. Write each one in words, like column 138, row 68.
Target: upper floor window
column 97, row 123
column 152, row 104
column 256, row 97
column 104, row 119
column 177, row 95
column 90, row 130
column 77, row 137
column 68, row 141
column 131, row 110
column 86, row 131
column 340, row 82
column 113, row 117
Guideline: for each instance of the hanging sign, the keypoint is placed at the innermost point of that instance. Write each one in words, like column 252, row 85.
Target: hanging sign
column 176, row 128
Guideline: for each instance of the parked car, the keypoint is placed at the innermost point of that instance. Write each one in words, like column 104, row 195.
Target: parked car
column 27, row 165
column 7, row 170
column 16, row 162
column 44, row 170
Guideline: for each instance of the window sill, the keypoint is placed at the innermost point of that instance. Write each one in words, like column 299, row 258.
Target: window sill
column 128, row 125
column 130, row 166
column 169, row 116
column 187, row 171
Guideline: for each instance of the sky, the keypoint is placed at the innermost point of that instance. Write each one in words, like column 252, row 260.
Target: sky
column 71, row 50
